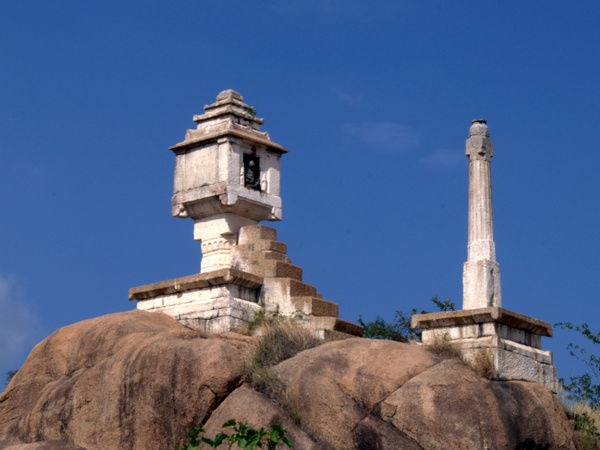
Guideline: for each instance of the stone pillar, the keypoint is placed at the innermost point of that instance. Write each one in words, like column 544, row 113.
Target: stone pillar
column 484, row 331
column 481, row 272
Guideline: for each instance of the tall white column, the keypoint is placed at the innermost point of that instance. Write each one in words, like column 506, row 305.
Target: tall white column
column 481, row 272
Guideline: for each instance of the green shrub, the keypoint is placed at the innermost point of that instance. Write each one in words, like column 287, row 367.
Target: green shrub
column 586, row 387
column 584, row 420
column 246, row 438
column 393, row 331
column 400, row 328
column 586, row 431
column 9, row 376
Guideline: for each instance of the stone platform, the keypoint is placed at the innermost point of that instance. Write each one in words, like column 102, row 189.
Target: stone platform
column 263, row 278
column 215, row 301
column 510, row 339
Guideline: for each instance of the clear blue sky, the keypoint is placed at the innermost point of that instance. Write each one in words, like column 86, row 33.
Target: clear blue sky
column 373, row 99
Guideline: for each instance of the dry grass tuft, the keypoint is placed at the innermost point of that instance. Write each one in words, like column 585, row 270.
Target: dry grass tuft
column 483, row 364
column 266, row 381
column 443, row 348
column 279, row 339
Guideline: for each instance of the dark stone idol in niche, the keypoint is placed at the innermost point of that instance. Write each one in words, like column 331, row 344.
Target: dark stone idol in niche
column 252, row 172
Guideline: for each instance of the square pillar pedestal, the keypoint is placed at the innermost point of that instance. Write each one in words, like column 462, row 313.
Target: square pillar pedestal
column 511, row 340
column 217, row 301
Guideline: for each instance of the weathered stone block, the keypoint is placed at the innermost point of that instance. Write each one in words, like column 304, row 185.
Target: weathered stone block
column 217, row 315
column 196, row 281
column 511, row 340
column 216, row 301
column 344, row 326
column 315, row 306
column 513, row 361
column 263, row 245
column 253, row 234
column 283, row 269
column 277, row 256
column 485, row 329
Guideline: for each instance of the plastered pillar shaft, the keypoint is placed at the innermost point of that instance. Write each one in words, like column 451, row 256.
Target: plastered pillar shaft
column 218, row 234
column 481, row 272
column 481, row 230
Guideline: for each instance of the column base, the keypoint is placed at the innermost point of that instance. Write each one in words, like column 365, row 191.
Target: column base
column 481, row 284
column 511, row 341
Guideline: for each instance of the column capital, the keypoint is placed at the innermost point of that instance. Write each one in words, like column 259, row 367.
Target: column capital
column 479, row 144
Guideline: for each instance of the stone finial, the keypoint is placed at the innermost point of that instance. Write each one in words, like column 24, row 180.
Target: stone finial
column 229, row 94
column 229, row 104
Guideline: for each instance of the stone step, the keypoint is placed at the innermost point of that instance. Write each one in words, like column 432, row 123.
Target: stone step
column 347, row 327
column 259, row 256
column 283, row 269
column 277, row 256
column 300, row 289
column 252, row 233
column 264, row 245
column 322, row 322
column 315, row 306
column 271, row 268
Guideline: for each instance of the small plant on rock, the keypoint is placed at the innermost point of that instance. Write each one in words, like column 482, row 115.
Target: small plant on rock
column 194, row 439
column 586, row 431
column 246, row 438
column 9, row 376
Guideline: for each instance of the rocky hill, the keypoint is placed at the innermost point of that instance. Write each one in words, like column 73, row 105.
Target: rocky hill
column 139, row 380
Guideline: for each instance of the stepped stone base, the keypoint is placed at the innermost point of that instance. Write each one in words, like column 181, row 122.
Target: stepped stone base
column 512, row 341
column 217, row 301
column 262, row 278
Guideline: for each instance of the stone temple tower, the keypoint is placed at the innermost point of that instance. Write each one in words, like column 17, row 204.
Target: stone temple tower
column 226, row 177
column 510, row 340
column 227, row 180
